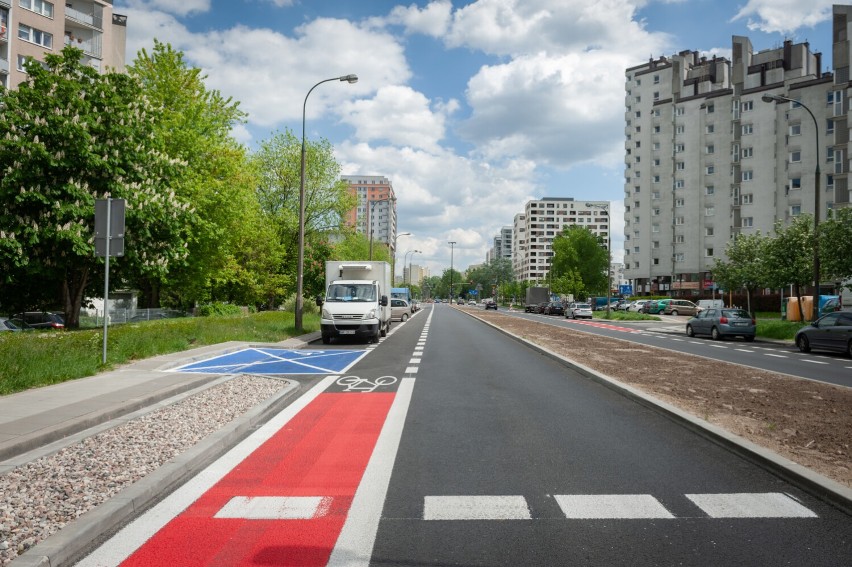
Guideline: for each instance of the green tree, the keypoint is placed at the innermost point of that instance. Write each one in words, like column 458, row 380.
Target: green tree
column 73, row 135
column 788, row 256
column 194, row 125
column 835, row 245
column 580, row 257
column 327, row 198
column 745, row 266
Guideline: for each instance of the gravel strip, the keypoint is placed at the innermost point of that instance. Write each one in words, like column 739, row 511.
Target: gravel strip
column 38, row 499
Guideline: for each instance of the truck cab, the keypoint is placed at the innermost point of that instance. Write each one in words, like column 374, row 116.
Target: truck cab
column 356, row 302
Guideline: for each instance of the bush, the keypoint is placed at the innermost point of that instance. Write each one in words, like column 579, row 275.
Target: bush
column 218, row 308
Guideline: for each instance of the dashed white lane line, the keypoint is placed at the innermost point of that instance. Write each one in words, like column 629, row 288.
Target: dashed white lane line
column 476, row 508
column 744, row 350
column 813, row 361
column 611, row 506
column 768, row 505
column 776, row 355
column 275, row 507
column 411, row 370
column 415, row 361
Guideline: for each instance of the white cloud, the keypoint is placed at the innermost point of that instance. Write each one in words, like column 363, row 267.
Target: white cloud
column 399, row 115
column 178, row 8
column 432, row 20
column 784, row 16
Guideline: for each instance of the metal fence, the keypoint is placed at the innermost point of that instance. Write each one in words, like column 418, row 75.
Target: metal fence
column 95, row 317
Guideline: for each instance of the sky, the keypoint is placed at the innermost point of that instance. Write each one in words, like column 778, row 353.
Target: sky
column 470, row 107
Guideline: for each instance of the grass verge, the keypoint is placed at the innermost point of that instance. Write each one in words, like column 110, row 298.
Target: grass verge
column 31, row 360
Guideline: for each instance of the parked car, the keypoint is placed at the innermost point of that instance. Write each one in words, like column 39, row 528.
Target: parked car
column 491, row 304
column 648, row 305
column 708, row 303
column 658, row 306
column 554, row 308
column 7, row 325
column 579, row 311
column 622, row 305
column 680, row 307
column 460, row 301
column 42, row 319
column 636, row 306
column 722, row 323
column 471, row 302
column 400, row 310
column 832, row 331
column 540, row 307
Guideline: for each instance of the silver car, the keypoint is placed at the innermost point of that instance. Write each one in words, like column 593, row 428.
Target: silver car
column 400, row 310
column 721, row 323
column 579, row 311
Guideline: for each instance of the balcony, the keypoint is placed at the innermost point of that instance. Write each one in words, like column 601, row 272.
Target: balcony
column 94, row 19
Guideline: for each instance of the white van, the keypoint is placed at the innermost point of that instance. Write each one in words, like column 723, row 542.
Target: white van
column 710, row 303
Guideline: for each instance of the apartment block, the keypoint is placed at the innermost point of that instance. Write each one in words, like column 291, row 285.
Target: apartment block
column 502, row 247
column 376, row 208
column 707, row 158
column 33, row 28
column 542, row 220
column 414, row 274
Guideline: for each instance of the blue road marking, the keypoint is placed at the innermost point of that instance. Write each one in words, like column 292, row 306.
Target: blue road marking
column 276, row 361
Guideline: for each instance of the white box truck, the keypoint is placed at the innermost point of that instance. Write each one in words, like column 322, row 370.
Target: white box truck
column 356, row 300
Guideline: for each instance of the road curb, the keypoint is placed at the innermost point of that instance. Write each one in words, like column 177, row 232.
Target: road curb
column 74, row 541
column 814, row 483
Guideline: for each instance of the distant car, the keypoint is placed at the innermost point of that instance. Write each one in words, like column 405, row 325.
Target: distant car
column 491, row 304
column 42, row 320
column 554, row 308
column 622, row 305
column 400, row 310
column 722, row 323
column 540, row 307
column 7, row 325
column 636, row 306
column 471, row 302
column 579, row 311
column 656, row 307
column 680, row 307
column 830, row 332
column 460, row 301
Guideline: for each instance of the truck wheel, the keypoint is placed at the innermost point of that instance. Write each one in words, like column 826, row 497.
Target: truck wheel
column 384, row 330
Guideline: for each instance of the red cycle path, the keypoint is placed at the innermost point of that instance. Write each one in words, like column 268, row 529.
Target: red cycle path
column 322, row 452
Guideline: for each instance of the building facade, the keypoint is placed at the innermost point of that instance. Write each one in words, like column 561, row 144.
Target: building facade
column 375, row 211
column 707, row 158
column 414, row 274
column 32, row 28
column 542, row 220
column 502, row 247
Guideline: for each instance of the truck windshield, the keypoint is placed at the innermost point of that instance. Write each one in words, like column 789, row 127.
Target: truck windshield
column 351, row 292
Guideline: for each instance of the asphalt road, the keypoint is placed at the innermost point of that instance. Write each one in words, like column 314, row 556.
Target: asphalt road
column 832, row 368
column 450, row 443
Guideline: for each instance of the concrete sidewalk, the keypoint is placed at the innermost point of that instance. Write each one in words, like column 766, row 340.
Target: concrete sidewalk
column 36, row 418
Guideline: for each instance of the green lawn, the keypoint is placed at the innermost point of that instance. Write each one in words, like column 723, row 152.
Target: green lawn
column 33, row 359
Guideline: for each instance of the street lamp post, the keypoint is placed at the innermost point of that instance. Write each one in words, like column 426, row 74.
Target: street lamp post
column 774, row 98
column 452, row 248
column 393, row 257
column 300, row 268
column 608, row 253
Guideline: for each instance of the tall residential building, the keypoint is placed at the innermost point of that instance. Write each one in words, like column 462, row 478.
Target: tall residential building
column 414, row 274
column 376, row 206
column 32, row 28
column 502, row 247
column 707, row 159
column 541, row 221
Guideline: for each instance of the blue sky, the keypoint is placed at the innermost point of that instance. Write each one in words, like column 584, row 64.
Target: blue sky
column 471, row 108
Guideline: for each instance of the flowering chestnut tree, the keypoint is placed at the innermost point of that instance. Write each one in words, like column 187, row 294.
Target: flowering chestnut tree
column 70, row 135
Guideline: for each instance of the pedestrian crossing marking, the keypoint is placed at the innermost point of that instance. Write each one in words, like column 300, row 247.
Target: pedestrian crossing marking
column 275, row 507
column 611, row 506
column 476, row 508
column 768, row 505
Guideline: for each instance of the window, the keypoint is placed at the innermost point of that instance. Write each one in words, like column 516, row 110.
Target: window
column 709, row 190
column 709, row 211
column 710, row 170
column 678, row 257
column 656, row 179
column 657, row 162
column 656, row 129
column 747, row 152
column 679, row 221
column 680, row 166
column 748, row 175
column 795, row 210
column 747, row 199
column 747, row 222
column 655, row 212
column 746, row 106
column 679, row 184
column 710, row 149
column 35, row 36
column 638, row 114
column 708, row 252
column 656, row 96
column 38, row 6
column 795, row 129
column 679, row 239
column 656, row 262
column 710, row 128
column 680, row 129
column 796, row 183
column 711, row 109
column 829, row 182
column 795, row 156
column 708, row 231
column 655, row 244
column 656, row 79
column 679, row 202
column 638, row 99
column 655, row 195
column 680, row 111
column 746, row 129
column 656, row 112
column 655, row 228
column 829, row 126
column 679, row 148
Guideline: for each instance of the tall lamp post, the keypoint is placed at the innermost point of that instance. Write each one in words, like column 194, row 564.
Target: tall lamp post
column 775, row 98
column 413, row 252
column 452, row 248
column 393, row 257
column 608, row 252
column 300, row 268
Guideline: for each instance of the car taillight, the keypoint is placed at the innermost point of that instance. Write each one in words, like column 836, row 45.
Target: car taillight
column 723, row 320
column 753, row 322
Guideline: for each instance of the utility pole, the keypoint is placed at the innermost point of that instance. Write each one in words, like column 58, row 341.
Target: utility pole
column 452, row 248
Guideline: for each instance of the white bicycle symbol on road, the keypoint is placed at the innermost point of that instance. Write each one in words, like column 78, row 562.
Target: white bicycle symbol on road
column 358, row 384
